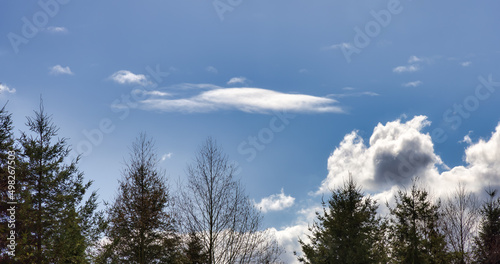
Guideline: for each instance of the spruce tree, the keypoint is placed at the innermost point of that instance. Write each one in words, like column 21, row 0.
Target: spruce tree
column 487, row 246
column 416, row 235
column 347, row 232
column 140, row 222
column 8, row 166
column 55, row 223
column 194, row 252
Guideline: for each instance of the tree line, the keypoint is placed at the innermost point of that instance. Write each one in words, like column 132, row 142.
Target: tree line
column 51, row 216
column 418, row 229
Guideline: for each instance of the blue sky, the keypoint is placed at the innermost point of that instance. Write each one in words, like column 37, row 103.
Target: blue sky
column 309, row 80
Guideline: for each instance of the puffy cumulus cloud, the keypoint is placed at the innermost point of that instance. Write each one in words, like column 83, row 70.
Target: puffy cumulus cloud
column 250, row 100
column 482, row 169
column 275, row 202
column 127, row 77
column 396, row 152
column 399, row 152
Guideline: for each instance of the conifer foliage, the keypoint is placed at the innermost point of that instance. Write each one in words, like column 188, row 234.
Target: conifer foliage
column 141, row 226
column 53, row 223
column 347, row 232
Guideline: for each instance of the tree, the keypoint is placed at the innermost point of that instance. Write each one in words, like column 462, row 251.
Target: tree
column 347, row 232
column 54, row 225
column 194, row 252
column 487, row 244
column 141, row 226
column 215, row 208
column 460, row 217
column 415, row 229
column 7, row 158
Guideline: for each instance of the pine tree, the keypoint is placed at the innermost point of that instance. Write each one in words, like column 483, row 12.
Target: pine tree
column 54, row 224
column 8, row 154
column 487, row 246
column 415, row 231
column 347, row 232
column 194, row 252
column 141, row 227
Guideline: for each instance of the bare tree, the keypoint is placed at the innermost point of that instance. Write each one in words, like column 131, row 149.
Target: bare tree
column 460, row 221
column 214, row 206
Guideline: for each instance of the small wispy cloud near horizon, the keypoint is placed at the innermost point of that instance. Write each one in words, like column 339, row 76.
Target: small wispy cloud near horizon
column 275, row 202
column 166, row 156
column 60, row 70
column 344, row 45
column 6, row 89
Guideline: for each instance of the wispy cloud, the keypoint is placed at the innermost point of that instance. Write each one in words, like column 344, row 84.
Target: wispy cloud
column 412, row 84
column 58, row 70
column 166, row 156
column 275, row 202
column 57, row 30
column 6, row 89
column 303, row 71
column 236, row 80
column 408, row 68
column 211, row 69
column 127, row 77
column 465, row 63
column 414, row 59
column 250, row 100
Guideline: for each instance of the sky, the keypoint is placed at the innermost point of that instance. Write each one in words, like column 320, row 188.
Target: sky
column 298, row 93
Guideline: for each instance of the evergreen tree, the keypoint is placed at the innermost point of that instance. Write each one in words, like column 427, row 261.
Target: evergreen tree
column 54, row 224
column 347, row 232
column 487, row 246
column 194, row 252
column 141, row 227
column 415, row 230
column 8, row 154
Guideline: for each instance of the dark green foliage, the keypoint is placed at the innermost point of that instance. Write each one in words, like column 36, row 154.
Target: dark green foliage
column 50, row 217
column 415, row 231
column 487, row 248
column 347, row 232
column 6, row 146
column 194, row 252
column 141, row 227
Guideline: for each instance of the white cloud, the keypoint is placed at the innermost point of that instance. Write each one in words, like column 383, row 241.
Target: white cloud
column 412, row 84
column 251, row 100
column 303, row 71
column 344, row 45
column 465, row 63
column 414, row 59
column 58, row 70
column 6, row 89
column 166, row 156
column 57, row 30
column 398, row 152
column 127, row 77
column 211, row 69
column 236, row 80
column 275, row 202
column 409, row 68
